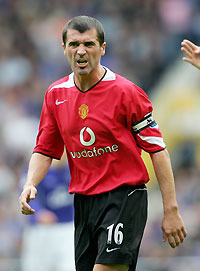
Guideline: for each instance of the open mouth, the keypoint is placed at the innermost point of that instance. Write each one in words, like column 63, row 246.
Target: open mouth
column 82, row 62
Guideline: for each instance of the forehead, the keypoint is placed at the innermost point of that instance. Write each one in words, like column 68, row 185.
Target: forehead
column 75, row 35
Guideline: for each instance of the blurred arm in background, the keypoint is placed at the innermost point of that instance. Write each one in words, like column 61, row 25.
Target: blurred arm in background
column 192, row 53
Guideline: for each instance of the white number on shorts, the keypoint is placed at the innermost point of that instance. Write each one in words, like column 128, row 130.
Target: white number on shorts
column 118, row 235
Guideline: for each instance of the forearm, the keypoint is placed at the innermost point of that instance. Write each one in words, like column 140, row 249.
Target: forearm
column 163, row 170
column 172, row 224
column 38, row 168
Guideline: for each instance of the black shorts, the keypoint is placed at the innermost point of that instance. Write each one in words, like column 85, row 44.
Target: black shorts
column 109, row 227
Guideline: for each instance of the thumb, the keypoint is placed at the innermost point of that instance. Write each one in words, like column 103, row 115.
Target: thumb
column 33, row 193
column 164, row 237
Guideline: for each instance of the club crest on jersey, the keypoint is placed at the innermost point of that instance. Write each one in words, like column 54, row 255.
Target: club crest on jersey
column 83, row 111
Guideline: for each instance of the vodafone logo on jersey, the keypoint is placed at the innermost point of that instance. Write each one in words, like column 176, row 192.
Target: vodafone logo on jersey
column 87, row 139
column 91, row 134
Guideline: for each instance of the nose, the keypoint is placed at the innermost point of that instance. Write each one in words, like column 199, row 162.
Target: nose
column 81, row 50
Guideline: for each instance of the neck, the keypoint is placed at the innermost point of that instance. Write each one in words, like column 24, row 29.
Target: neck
column 84, row 82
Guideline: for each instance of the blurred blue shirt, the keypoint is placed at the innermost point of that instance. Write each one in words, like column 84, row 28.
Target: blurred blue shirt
column 53, row 195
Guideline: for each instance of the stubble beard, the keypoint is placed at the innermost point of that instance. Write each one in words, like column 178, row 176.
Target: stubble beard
column 83, row 71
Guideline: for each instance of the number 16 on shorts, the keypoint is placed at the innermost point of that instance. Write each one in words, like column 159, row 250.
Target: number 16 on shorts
column 115, row 233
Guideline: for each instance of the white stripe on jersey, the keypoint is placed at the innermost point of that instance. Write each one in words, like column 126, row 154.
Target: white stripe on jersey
column 68, row 84
column 110, row 76
column 153, row 140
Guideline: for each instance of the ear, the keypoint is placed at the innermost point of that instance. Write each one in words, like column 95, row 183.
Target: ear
column 103, row 49
column 65, row 53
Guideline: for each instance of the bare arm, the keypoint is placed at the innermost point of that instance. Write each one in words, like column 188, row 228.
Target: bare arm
column 192, row 53
column 38, row 168
column 172, row 223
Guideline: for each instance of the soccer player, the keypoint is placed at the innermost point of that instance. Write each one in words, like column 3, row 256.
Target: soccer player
column 104, row 121
column 192, row 53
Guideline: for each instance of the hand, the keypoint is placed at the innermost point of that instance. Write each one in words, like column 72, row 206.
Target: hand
column 192, row 53
column 26, row 196
column 173, row 228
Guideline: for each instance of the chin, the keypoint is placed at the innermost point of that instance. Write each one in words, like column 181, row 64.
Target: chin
column 83, row 72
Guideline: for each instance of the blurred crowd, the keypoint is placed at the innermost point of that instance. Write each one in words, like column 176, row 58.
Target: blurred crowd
column 143, row 41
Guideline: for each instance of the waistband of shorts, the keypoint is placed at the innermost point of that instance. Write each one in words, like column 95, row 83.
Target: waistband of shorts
column 125, row 187
column 121, row 187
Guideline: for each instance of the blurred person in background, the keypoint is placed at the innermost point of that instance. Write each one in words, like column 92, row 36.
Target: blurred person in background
column 192, row 53
column 48, row 242
column 107, row 181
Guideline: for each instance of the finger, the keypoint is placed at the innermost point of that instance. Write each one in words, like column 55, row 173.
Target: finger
column 171, row 241
column 187, row 48
column 25, row 205
column 28, row 212
column 184, row 232
column 26, row 209
column 186, row 52
column 176, row 239
column 33, row 194
column 164, row 237
column 24, row 197
column 190, row 44
column 181, row 236
column 187, row 60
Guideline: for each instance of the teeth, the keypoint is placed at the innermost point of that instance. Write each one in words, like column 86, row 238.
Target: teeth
column 82, row 61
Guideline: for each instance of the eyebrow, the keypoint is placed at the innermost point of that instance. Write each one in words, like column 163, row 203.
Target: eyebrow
column 89, row 42
column 72, row 43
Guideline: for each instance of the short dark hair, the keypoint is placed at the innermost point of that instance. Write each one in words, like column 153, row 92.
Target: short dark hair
column 82, row 24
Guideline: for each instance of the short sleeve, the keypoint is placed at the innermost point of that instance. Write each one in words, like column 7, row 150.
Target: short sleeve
column 49, row 141
column 144, row 128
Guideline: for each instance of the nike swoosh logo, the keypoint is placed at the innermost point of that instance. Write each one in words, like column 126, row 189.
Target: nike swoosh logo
column 112, row 249
column 60, row 102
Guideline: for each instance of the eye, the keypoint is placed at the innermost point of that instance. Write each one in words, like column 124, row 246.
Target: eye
column 89, row 43
column 73, row 44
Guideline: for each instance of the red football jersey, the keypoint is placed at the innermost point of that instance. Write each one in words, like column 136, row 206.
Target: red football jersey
column 103, row 130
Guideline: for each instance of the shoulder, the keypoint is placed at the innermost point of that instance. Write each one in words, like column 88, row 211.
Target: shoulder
column 124, row 86
column 124, row 82
column 128, row 87
column 131, row 95
column 116, row 79
column 65, row 82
